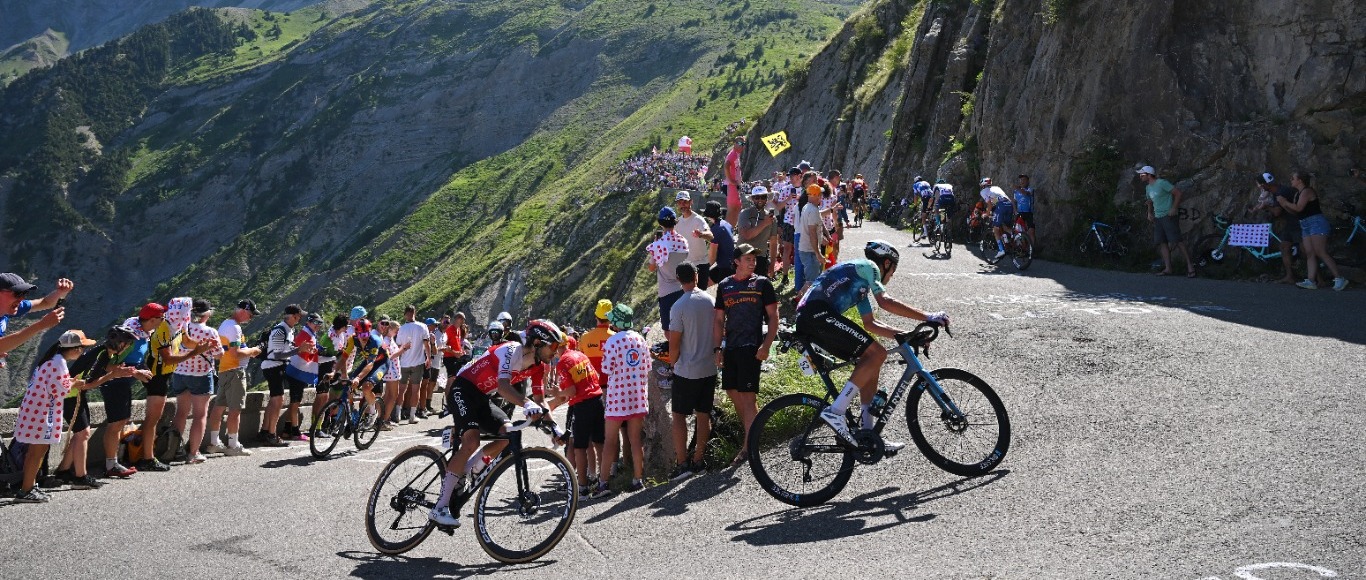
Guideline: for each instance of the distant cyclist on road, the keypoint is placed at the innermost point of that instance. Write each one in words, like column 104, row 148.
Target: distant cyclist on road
column 1002, row 212
column 925, row 192
column 474, row 411
column 820, row 320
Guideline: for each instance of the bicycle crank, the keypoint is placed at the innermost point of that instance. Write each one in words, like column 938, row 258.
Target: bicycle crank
column 870, row 447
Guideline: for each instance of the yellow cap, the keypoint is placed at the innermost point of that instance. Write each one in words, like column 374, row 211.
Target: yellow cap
column 604, row 306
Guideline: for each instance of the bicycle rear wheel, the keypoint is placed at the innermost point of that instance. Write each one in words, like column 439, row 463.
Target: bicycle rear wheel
column 327, row 429
column 1211, row 259
column 945, row 244
column 970, row 445
column 368, row 429
column 396, row 513
column 794, row 455
column 526, row 506
column 1023, row 254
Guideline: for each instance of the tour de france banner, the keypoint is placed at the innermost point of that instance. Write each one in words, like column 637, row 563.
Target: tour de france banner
column 777, row 143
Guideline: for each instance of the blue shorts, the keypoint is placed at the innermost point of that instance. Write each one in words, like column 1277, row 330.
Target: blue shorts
column 811, row 265
column 1002, row 215
column 1315, row 225
column 196, row 385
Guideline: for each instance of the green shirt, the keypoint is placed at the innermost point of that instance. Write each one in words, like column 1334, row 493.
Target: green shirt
column 1160, row 192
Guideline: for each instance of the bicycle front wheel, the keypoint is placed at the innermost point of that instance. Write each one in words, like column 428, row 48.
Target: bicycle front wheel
column 327, row 429
column 396, row 513
column 526, row 506
column 368, row 429
column 969, row 445
column 794, row 455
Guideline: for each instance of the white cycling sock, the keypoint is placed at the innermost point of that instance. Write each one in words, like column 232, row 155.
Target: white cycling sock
column 867, row 421
column 232, row 440
column 110, row 463
column 412, row 412
column 842, row 402
column 448, row 487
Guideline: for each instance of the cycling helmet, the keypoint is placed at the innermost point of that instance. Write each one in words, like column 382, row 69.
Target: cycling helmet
column 314, row 317
column 984, row 182
column 363, row 326
column 919, row 178
column 120, row 334
column 544, row 331
column 879, row 250
column 504, row 319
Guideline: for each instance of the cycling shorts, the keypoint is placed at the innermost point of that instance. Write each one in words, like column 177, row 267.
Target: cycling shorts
column 830, row 330
column 588, row 423
column 1002, row 215
column 275, row 380
column 160, row 385
column 472, row 409
column 925, row 203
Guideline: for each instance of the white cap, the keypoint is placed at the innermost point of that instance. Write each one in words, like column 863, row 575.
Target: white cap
column 1268, row 178
column 985, row 181
column 758, row 190
column 684, row 195
column 1147, row 169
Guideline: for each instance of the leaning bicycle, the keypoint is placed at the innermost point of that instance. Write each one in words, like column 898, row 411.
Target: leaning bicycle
column 956, row 421
column 1017, row 246
column 524, row 500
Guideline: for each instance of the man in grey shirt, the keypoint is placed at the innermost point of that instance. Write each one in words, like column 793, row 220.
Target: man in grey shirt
column 693, row 352
column 758, row 227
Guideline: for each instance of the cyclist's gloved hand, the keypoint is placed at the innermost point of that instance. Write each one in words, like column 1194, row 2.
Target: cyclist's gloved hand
column 531, row 410
column 941, row 318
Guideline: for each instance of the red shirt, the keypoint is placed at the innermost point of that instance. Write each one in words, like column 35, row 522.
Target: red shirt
column 454, row 340
column 733, row 165
column 576, row 370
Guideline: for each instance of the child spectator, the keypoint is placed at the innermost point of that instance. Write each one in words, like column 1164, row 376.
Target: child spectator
column 626, row 362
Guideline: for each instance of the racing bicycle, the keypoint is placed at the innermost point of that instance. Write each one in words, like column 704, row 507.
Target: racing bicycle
column 955, row 419
column 1016, row 242
column 524, row 500
column 341, row 418
column 938, row 236
column 1104, row 239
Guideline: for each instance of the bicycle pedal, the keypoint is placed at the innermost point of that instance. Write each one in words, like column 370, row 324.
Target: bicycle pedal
column 450, row 530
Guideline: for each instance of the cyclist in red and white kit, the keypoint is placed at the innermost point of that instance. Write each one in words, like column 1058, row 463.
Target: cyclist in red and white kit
column 474, row 411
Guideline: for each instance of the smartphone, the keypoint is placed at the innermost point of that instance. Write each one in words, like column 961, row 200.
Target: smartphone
column 60, row 302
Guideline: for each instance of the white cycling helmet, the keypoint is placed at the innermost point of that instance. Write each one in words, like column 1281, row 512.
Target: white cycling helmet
column 504, row 317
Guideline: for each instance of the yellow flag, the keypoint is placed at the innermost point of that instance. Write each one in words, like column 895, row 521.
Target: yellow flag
column 777, row 143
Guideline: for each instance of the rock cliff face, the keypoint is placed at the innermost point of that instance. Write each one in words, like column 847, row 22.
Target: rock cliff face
column 1077, row 93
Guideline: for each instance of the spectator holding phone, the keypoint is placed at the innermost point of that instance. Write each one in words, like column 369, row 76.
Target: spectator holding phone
column 119, row 344
column 39, row 424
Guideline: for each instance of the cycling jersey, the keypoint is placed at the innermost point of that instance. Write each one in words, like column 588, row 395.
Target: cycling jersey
column 369, row 352
column 922, row 188
column 1024, row 199
column 504, row 362
column 591, row 344
column 995, row 195
column 846, row 285
column 574, row 369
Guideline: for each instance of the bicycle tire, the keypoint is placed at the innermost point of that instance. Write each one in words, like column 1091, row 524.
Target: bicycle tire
column 428, row 466
column 329, row 422
column 945, row 244
column 364, row 437
column 916, row 419
column 1023, row 253
column 556, row 495
column 1204, row 258
column 773, row 450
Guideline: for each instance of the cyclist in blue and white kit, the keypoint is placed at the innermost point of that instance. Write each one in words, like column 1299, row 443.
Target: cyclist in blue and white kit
column 922, row 188
column 945, row 199
column 1002, row 213
column 820, row 319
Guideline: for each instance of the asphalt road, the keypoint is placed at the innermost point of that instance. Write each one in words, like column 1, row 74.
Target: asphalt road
column 1163, row 428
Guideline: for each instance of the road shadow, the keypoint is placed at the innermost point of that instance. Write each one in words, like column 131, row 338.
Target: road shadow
column 670, row 499
column 300, row 461
column 842, row 519
column 372, row 565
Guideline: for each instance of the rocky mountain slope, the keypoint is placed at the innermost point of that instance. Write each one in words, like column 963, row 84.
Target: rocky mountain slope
column 1078, row 93
column 433, row 152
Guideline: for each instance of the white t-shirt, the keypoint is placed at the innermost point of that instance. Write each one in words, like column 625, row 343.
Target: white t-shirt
column 697, row 247
column 414, row 334
column 438, row 339
column 231, row 332
column 811, row 216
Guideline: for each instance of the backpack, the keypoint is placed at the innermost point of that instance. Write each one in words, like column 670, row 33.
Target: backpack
column 263, row 341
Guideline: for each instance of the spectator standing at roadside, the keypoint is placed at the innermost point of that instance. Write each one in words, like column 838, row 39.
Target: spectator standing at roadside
column 13, row 302
column 626, row 361
column 437, row 339
column 691, row 349
column 232, row 381
column 96, row 362
column 417, row 351
column 592, row 342
column 279, row 347
column 745, row 302
column 692, row 227
column 1024, row 205
column 787, row 197
column 39, row 422
column 734, row 180
column 718, row 264
column 1315, row 230
column 192, row 384
column 1284, row 223
column 665, row 254
column 759, row 228
column 1164, row 200
column 581, row 385
column 810, row 238
column 163, row 327
column 393, row 400
column 302, row 373
column 454, row 356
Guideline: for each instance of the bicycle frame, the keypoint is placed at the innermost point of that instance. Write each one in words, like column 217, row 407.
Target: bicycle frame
column 1264, row 253
column 1356, row 227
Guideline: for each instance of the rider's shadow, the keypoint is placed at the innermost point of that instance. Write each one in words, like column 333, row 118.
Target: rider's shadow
column 371, row 565
column 854, row 517
column 672, row 499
